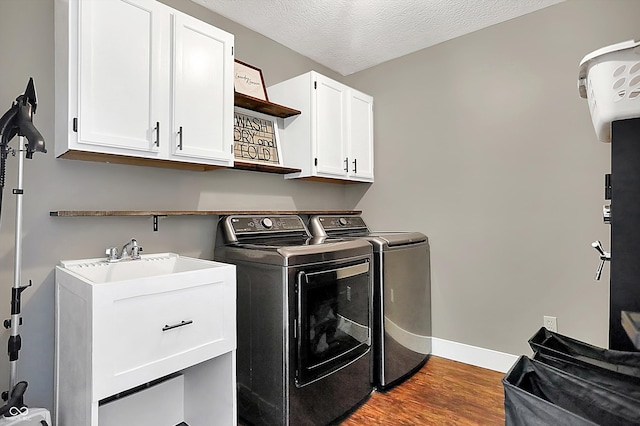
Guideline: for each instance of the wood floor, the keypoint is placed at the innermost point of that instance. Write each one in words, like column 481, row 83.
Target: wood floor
column 443, row 392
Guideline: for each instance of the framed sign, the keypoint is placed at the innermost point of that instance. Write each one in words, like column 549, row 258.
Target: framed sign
column 255, row 138
column 248, row 80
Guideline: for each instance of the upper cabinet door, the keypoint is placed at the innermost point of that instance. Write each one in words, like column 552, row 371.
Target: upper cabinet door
column 202, row 91
column 360, row 135
column 119, row 62
column 330, row 127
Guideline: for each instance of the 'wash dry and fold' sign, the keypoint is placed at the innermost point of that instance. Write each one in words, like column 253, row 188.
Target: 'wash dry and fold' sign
column 255, row 139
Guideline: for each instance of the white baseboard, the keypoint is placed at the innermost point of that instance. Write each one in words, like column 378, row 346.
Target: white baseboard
column 473, row 355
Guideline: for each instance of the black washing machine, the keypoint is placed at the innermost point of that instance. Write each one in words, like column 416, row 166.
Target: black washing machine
column 304, row 315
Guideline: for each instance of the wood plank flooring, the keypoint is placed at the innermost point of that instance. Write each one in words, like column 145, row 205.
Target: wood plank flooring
column 443, row 392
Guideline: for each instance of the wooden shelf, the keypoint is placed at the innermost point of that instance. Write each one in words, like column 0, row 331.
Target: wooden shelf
column 264, row 107
column 94, row 213
column 267, row 168
column 136, row 161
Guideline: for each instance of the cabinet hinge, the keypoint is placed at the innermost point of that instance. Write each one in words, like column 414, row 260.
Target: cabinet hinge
column 232, row 50
column 315, row 162
column 75, row 124
column 232, row 149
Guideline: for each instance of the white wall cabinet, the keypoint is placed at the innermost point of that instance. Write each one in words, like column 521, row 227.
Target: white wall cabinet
column 135, row 78
column 333, row 137
column 116, row 340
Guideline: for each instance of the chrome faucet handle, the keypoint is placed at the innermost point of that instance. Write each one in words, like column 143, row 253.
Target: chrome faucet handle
column 112, row 254
column 131, row 250
column 605, row 256
column 135, row 251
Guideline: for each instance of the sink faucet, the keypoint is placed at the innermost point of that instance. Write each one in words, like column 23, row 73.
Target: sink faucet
column 131, row 250
column 112, row 254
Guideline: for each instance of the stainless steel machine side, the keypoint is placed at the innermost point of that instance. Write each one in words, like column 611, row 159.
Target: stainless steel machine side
column 405, row 310
column 401, row 298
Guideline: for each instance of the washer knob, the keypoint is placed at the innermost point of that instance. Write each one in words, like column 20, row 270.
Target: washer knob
column 342, row 221
column 267, row 223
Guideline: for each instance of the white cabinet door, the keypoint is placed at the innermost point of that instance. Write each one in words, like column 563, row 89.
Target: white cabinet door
column 119, row 87
column 330, row 127
column 202, row 91
column 360, row 136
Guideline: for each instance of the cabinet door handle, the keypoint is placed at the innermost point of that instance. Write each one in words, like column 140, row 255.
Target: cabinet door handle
column 157, row 130
column 180, row 324
column 355, row 166
column 180, row 139
column 346, row 164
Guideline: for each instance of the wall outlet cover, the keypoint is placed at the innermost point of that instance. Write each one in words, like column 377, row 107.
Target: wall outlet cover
column 550, row 323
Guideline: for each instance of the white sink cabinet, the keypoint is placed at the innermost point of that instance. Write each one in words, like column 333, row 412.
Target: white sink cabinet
column 136, row 78
column 121, row 326
column 333, row 137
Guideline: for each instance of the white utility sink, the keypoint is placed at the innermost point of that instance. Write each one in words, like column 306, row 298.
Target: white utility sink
column 122, row 324
column 99, row 271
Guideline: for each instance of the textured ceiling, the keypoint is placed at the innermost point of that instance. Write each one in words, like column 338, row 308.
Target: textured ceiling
column 348, row 36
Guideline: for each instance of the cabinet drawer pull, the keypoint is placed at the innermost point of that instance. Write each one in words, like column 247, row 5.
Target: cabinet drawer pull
column 180, row 324
column 355, row 166
column 157, row 129
column 180, row 143
column 346, row 164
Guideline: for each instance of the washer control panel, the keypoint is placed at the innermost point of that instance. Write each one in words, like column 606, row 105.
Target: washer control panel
column 266, row 224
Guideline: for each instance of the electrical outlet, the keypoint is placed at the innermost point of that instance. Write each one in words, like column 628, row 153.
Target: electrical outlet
column 551, row 323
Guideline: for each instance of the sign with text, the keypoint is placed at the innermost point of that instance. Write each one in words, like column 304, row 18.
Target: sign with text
column 255, row 139
column 249, row 81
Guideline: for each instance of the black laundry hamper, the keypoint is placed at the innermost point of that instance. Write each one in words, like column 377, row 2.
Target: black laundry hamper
column 548, row 343
column 537, row 394
column 622, row 383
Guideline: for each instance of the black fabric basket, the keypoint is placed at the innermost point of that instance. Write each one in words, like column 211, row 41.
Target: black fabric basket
column 556, row 345
column 622, row 383
column 537, row 394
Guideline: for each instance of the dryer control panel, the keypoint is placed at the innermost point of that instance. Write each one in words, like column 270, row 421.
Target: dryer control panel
column 333, row 225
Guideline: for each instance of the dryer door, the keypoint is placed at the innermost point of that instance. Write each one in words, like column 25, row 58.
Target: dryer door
column 333, row 319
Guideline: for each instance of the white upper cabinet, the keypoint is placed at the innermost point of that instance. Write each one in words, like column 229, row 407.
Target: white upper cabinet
column 118, row 74
column 333, row 137
column 331, row 127
column 136, row 78
column 360, row 135
column 203, row 91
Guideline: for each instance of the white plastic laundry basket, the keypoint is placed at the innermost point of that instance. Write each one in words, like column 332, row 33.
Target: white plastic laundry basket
column 609, row 79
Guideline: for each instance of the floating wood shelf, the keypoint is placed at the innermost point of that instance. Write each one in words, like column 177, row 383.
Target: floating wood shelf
column 264, row 107
column 80, row 213
column 136, row 161
column 268, row 168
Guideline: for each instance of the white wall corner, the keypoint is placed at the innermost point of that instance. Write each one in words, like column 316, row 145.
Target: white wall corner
column 473, row 355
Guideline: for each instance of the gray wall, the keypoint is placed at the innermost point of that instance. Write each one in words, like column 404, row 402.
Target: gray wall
column 482, row 143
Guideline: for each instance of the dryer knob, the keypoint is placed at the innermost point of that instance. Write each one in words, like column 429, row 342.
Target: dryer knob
column 342, row 221
column 267, row 223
